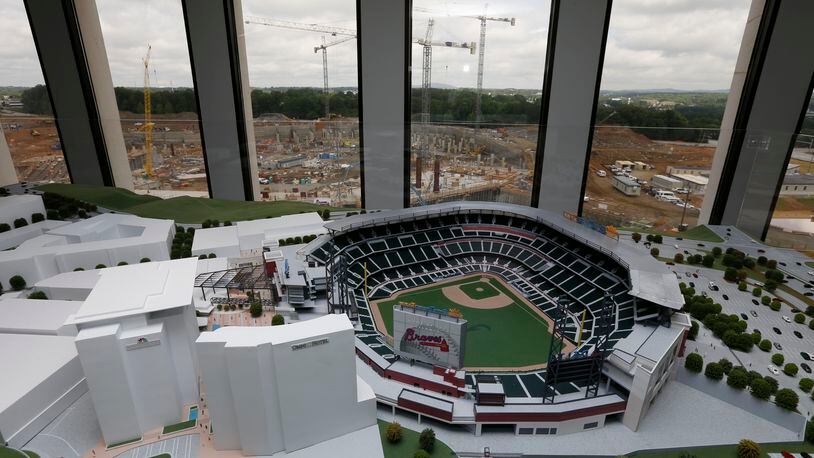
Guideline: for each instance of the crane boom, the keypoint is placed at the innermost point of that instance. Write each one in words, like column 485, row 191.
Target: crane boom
column 481, row 56
column 325, row 88
column 148, row 117
column 333, row 31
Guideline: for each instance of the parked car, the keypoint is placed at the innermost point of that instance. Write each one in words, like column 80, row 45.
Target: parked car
column 743, row 315
column 713, row 286
column 778, row 346
column 786, row 319
column 807, row 356
column 754, row 301
column 773, row 369
column 701, row 245
column 754, row 313
column 798, row 335
column 777, row 331
column 806, row 367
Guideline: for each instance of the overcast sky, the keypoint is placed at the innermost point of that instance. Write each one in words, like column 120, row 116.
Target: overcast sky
column 681, row 44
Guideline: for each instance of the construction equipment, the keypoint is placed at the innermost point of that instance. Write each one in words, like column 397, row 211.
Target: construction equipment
column 148, row 117
column 325, row 88
column 481, row 53
column 426, row 84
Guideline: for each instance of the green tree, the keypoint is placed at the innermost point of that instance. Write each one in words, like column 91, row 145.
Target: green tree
column 799, row 318
column 654, row 252
column 421, row 454
column 37, row 295
column 730, row 274
column 426, row 440
column 738, row 378
column 716, row 251
column 17, row 282
column 678, row 258
column 277, row 320
column 4, row 227
column 787, row 399
column 742, row 286
column 694, row 363
column 726, row 365
column 636, row 237
column 761, row 260
column 256, row 310
column 100, row 266
column 20, row 222
column 757, row 291
column 773, row 385
column 694, row 330
column 806, row 384
column 765, row 300
column 144, row 260
column 393, row 433
column 708, row 261
column 748, row 449
column 778, row 359
column 775, row 305
column 790, row 369
column 761, row 389
column 37, row 217
column 811, row 324
column 714, row 371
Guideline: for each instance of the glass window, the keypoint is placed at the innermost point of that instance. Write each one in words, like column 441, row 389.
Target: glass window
column 164, row 145
column 303, row 73
column 590, row 425
column 26, row 115
column 791, row 224
column 665, row 81
column 475, row 109
column 526, row 431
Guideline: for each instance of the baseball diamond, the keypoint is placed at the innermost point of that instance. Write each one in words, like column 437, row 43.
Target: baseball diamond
column 511, row 336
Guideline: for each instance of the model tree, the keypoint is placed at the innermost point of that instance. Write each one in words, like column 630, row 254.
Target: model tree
column 761, row 389
column 694, row 362
column 17, row 282
column 393, row 432
column 277, row 320
column 636, row 237
column 256, row 310
column 426, row 440
column 748, row 449
column 786, row 399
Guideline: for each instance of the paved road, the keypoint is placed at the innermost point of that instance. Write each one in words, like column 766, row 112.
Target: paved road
column 185, row 446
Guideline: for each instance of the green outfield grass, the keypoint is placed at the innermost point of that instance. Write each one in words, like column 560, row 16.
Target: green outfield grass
column 507, row 337
column 188, row 210
column 479, row 290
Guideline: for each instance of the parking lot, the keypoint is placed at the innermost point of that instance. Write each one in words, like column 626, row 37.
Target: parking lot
column 741, row 302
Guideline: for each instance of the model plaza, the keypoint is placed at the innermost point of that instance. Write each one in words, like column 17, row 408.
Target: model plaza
column 525, row 229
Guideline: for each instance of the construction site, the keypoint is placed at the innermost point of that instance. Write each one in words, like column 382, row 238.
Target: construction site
column 606, row 204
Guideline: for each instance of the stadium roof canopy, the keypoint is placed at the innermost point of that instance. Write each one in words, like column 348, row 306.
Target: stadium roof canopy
column 649, row 278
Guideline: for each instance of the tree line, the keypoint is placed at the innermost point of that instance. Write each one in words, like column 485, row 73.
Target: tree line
column 695, row 123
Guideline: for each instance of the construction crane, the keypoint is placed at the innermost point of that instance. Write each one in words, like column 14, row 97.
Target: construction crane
column 481, row 53
column 148, row 116
column 426, row 83
column 325, row 88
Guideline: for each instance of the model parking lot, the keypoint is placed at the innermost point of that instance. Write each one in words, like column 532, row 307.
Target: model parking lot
column 741, row 302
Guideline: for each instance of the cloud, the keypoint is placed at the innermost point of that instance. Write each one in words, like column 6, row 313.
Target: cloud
column 685, row 44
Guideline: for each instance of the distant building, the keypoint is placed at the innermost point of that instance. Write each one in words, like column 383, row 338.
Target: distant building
column 280, row 389
column 665, row 182
column 687, row 170
column 287, row 163
column 627, row 185
column 696, row 184
column 793, row 169
column 801, row 185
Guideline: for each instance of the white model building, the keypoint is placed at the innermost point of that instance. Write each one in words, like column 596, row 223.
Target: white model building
column 37, row 316
column 136, row 341
column 247, row 238
column 290, row 388
column 104, row 239
column 40, row 377
column 21, row 206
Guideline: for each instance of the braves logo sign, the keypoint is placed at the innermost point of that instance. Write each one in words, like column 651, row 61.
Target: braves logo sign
column 426, row 340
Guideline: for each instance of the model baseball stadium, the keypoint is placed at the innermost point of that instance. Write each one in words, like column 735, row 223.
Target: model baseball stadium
column 502, row 328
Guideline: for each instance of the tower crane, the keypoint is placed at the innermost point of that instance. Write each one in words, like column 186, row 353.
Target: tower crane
column 148, row 116
column 481, row 52
column 426, row 83
column 325, row 88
